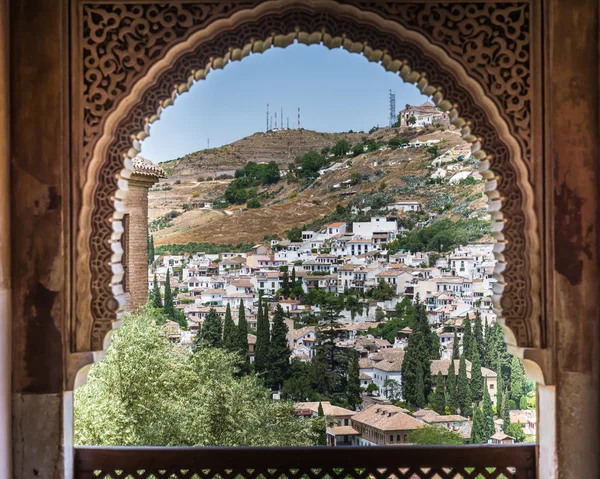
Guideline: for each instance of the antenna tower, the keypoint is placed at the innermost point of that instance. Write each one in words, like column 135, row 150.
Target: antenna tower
column 298, row 117
column 392, row 108
column 275, row 120
column 288, row 122
column 281, row 118
column 208, row 143
column 267, row 117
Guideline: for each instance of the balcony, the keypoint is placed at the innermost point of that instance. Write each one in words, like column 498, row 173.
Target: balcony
column 394, row 462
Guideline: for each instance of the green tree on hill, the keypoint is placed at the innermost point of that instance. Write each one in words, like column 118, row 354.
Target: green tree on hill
column 168, row 305
column 242, row 339
column 476, row 376
column 463, row 390
column 279, row 352
column 451, row 392
column 230, row 335
column 322, row 436
column 478, row 335
column 488, row 416
column 263, row 338
column 155, row 295
column 439, row 398
column 467, row 340
column 354, row 389
column 455, row 346
column 340, row 148
column 211, row 332
column 516, row 379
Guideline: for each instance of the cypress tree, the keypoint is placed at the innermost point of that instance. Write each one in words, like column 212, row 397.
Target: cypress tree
column 467, row 341
column 455, row 346
column 279, row 351
column 488, row 416
column 261, row 357
column 285, row 289
column 423, row 346
column 478, row 431
column 439, row 399
column 499, row 389
column 242, row 339
column 420, row 387
column 463, row 390
column 211, row 334
column 354, row 397
column 230, row 335
column 322, row 435
column 505, row 412
column 478, row 335
column 516, row 379
column 156, row 300
column 168, row 306
column 476, row 376
column 491, row 355
column 451, row 399
column 150, row 249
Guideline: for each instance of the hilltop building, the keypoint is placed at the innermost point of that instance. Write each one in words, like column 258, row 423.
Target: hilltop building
column 425, row 114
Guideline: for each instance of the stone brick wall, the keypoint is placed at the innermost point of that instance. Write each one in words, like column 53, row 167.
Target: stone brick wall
column 136, row 231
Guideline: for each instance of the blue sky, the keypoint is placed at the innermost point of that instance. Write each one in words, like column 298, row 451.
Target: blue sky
column 335, row 90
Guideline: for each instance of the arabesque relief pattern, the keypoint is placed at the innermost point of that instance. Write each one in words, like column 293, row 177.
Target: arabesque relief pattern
column 125, row 39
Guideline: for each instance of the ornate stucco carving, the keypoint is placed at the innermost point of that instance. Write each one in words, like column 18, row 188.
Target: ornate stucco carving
column 464, row 55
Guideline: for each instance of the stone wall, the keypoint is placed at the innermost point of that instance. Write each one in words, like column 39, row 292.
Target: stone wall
column 135, row 242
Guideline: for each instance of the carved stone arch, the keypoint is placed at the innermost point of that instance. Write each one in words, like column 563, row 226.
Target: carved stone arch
column 137, row 58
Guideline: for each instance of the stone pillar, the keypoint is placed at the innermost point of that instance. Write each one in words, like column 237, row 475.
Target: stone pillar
column 41, row 202
column 572, row 171
column 135, row 241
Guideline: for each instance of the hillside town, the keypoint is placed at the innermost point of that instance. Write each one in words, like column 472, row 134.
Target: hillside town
column 350, row 260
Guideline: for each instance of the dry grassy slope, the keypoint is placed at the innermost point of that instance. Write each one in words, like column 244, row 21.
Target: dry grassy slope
column 279, row 146
column 239, row 225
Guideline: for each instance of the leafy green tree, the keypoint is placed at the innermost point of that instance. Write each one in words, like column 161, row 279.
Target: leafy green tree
column 488, row 415
column 411, row 121
column 242, row 345
column 433, row 151
column 476, row 376
column 253, row 203
column 434, row 435
column 298, row 387
column 455, row 346
column 322, row 437
column 155, row 295
column 168, row 305
column 515, row 430
column 263, row 338
column 523, row 402
column 463, row 390
column 354, row 389
column 279, row 351
column 230, row 335
column 372, row 388
column 467, row 340
column 419, row 400
column 392, row 390
column 358, row 149
column 149, row 392
column 516, row 379
column 340, row 148
column 451, row 391
column 211, row 332
column 439, row 401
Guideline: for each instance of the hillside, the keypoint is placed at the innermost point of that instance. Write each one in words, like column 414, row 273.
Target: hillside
column 391, row 175
column 280, row 146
